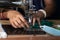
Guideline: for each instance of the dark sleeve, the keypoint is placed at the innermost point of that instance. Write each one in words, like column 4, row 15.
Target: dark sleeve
column 20, row 10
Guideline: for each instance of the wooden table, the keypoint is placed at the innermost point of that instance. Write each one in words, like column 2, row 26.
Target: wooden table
column 31, row 37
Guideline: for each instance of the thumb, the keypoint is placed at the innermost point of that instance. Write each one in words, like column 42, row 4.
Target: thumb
column 34, row 19
column 38, row 20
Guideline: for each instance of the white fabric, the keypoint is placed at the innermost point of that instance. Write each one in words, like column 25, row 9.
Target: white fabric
column 3, row 34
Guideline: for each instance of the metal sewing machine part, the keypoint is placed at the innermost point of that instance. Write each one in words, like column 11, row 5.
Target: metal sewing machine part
column 32, row 11
column 3, row 34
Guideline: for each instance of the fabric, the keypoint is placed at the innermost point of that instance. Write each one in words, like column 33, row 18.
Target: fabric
column 39, row 4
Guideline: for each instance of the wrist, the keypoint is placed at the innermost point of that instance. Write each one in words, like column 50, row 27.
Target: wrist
column 4, row 15
column 43, row 12
column 40, row 15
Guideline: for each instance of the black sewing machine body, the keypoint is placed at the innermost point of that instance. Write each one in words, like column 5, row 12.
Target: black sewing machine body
column 25, row 31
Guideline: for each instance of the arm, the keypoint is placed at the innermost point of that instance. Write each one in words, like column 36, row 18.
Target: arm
column 49, row 7
column 16, row 18
column 3, row 14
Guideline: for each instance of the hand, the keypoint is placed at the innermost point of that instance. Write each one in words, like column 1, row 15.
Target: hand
column 16, row 19
column 37, row 17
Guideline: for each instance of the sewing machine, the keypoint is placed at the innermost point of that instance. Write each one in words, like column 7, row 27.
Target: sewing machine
column 19, row 34
column 33, row 33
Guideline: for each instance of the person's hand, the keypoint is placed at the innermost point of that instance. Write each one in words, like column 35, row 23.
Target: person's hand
column 16, row 19
column 37, row 17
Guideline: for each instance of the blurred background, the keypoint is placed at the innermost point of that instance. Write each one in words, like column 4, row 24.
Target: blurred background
column 56, row 13
column 24, row 5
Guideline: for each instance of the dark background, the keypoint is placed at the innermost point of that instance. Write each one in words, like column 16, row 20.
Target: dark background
column 56, row 13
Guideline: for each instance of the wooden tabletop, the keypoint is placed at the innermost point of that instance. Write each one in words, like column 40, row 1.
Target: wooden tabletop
column 30, row 37
column 6, row 22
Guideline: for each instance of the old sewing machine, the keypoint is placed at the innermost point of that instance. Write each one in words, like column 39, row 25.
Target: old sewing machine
column 33, row 32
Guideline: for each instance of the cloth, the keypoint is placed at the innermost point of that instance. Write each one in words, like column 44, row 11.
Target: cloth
column 39, row 4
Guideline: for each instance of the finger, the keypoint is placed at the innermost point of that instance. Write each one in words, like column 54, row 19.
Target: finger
column 26, row 24
column 13, row 24
column 34, row 21
column 16, row 23
column 38, row 20
column 20, row 22
column 24, row 21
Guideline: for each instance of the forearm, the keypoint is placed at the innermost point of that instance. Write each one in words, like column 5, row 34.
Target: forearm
column 49, row 7
column 3, row 13
column 48, row 10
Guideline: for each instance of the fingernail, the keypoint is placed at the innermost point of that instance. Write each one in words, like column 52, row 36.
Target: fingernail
column 27, row 26
column 22, row 25
column 14, row 26
column 19, row 26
